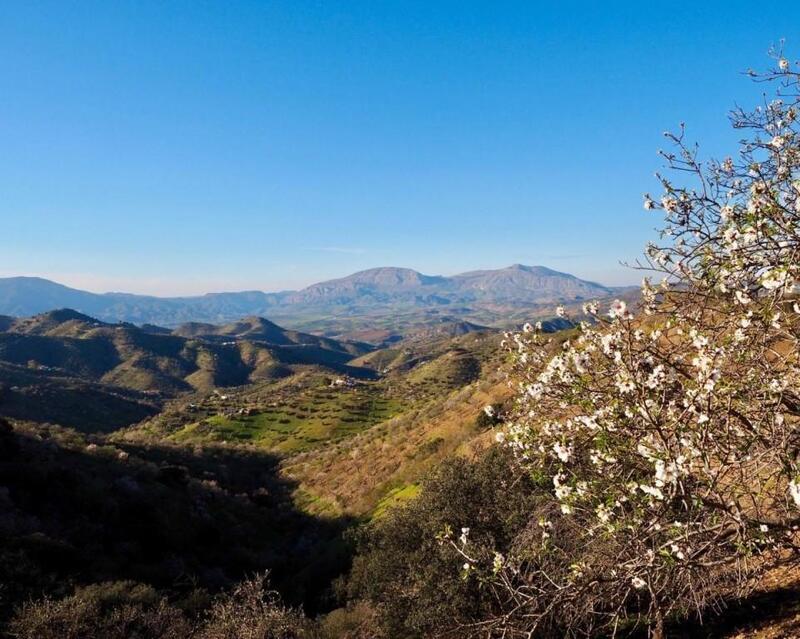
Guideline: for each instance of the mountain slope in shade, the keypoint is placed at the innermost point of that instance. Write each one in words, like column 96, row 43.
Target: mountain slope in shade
column 41, row 395
column 387, row 290
column 22, row 296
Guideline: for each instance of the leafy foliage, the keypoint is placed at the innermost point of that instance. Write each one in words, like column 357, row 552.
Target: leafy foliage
column 408, row 573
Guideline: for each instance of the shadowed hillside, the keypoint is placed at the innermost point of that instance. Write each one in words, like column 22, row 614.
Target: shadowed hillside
column 75, row 512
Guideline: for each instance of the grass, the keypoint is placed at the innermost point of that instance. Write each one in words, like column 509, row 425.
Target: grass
column 394, row 498
column 318, row 416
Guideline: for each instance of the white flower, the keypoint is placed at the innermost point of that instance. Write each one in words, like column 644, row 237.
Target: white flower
column 777, row 385
column 489, row 410
column 698, row 340
column 742, row 298
column 564, row 453
column 618, row 309
column 772, row 280
column 497, row 562
column 625, row 384
column 702, row 362
column 562, row 490
column 794, row 491
column 727, row 165
column 638, row 583
column 652, row 491
column 665, row 474
column 763, row 528
column 464, row 536
column 656, row 378
column 603, row 513
column 670, row 204
column 500, row 437
column 649, row 205
column 778, row 141
column 527, row 327
column 783, row 64
column 730, row 235
column 591, row 308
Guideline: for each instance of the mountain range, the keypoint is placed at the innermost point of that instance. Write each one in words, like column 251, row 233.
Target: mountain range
column 378, row 291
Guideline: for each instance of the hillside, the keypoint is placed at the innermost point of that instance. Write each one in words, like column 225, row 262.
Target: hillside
column 39, row 394
column 65, row 354
column 423, row 407
column 262, row 330
column 306, row 454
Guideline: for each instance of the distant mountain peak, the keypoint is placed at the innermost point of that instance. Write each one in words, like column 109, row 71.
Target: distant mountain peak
column 383, row 275
column 532, row 268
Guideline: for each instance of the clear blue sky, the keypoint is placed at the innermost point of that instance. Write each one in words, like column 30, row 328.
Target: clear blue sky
column 183, row 147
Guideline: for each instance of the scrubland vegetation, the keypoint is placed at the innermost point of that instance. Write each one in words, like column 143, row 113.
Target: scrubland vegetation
column 631, row 476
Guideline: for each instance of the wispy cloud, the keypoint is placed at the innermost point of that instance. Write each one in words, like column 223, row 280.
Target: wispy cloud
column 341, row 249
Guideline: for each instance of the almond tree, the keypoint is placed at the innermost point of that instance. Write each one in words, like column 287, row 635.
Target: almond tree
column 666, row 436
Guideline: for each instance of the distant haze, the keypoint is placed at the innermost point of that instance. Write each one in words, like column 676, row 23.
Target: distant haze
column 386, row 290
column 273, row 282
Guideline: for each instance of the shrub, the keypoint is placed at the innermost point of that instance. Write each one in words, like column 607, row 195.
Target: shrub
column 358, row 621
column 112, row 610
column 129, row 610
column 407, row 573
column 252, row 612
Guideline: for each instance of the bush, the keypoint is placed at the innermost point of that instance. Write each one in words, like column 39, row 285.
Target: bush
column 129, row 610
column 411, row 577
column 252, row 612
column 112, row 610
column 358, row 621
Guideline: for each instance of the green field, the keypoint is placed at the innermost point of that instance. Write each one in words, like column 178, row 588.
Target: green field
column 394, row 498
column 318, row 416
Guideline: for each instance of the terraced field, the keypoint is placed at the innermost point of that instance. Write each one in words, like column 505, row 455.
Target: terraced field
column 316, row 416
column 349, row 445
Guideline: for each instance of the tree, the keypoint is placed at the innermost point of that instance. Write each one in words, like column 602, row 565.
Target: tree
column 668, row 433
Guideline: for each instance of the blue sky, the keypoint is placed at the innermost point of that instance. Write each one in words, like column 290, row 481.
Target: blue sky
column 185, row 147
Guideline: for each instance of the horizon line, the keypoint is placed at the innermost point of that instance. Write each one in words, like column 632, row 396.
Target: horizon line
column 66, row 280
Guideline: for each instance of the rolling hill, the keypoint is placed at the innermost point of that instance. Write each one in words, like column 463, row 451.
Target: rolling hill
column 91, row 374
